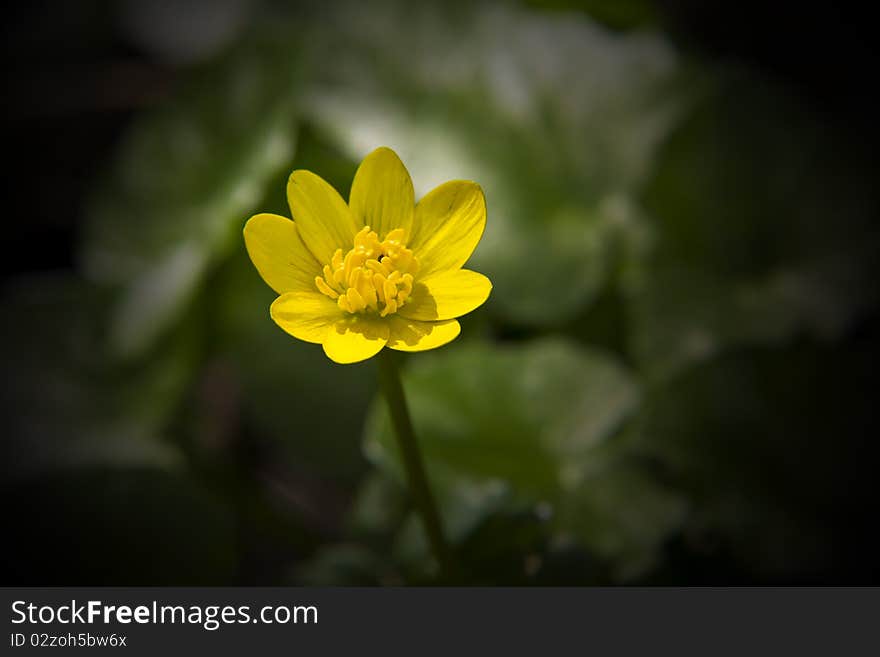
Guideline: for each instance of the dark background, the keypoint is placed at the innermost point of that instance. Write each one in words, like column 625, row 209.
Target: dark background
column 74, row 78
column 769, row 444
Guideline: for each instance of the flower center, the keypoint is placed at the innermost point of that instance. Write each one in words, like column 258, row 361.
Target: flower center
column 373, row 276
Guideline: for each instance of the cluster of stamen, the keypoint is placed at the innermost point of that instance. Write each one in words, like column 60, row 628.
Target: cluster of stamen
column 373, row 276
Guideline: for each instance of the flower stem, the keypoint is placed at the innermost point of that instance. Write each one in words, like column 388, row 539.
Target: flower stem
column 412, row 460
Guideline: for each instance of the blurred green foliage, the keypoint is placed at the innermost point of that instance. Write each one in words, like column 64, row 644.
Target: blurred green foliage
column 535, row 427
column 677, row 252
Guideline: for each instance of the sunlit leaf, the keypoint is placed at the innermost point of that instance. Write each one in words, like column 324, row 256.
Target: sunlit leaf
column 184, row 178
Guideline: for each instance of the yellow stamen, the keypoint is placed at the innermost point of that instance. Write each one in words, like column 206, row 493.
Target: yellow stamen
column 373, row 276
column 395, row 236
column 355, row 300
column 379, row 286
column 326, row 289
column 339, row 277
column 390, row 290
column 336, row 260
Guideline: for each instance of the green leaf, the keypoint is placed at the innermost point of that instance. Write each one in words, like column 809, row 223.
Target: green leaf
column 184, row 180
column 619, row 14
column 762, row 227
column 346, row 564
column 378, row 506
column 533, row 426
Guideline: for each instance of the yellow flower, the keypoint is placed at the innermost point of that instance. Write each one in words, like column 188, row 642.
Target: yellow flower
column 378, row 271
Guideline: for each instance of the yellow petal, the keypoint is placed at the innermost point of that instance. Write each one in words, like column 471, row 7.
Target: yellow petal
column 447, row 295
column 324, row 221
column 382, row 194
column 308, row 316
column 279, row 254
column 413, row 335
column 448, row 224
column 354, row 339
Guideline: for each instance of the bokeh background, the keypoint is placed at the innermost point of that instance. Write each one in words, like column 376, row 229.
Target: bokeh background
column 674, row 379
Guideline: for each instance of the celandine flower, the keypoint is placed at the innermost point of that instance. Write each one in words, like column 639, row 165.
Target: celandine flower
column 379, row 271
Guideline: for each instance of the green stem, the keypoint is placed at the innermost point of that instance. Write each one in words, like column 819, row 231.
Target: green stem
column 412, row 459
